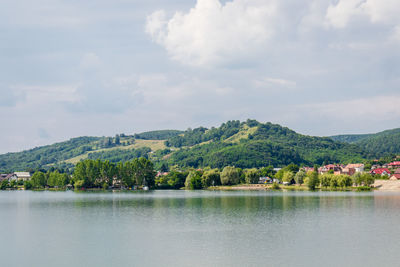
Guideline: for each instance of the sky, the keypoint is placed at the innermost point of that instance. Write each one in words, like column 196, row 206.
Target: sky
column 101, row 67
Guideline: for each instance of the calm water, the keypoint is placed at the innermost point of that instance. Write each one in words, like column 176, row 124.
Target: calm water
column 180, row 228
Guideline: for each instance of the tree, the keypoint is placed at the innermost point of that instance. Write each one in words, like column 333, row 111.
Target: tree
column 344, row 181
column 177, row 179
column 4, row 184
column 28, row 185
column 79, row 184
column 164, row 167
column 313, row 180
column 117, row 139
column 367, row 179
column 326, row 180
column 292, row 167
column 193, row 180
column 299, row 177
column 252, row 176
column 357, row 179
column 279, row 174
column 288, row 177
column 38, row 179
column 211, row 178
column 229, row 176
column 267, row 171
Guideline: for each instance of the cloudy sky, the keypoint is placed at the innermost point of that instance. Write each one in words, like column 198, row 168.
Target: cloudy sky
column 101, row 67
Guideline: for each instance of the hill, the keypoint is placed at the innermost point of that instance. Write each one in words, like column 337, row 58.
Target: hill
column 350, row 138
column 158, row 135
column 253, row 144
column 381, row 144
column 66, row 154
column 242, row 144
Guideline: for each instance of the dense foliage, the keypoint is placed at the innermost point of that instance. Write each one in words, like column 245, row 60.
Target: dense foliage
column 158, row 135
column 120, row 155
column 270, row 144
column 199, row 135
column 382, row 144
column 97, row 173
column 350, row 138
column 41, row 156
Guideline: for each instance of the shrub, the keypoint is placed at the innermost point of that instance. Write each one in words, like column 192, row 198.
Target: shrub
column 275, row 186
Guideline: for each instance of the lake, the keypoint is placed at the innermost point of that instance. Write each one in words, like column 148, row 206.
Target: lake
column 199, row 228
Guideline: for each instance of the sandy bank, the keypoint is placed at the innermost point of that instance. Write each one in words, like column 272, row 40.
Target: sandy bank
column 387, row 185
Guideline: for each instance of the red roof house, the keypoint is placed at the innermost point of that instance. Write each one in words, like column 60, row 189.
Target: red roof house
column 381, row 171
column 395, row 164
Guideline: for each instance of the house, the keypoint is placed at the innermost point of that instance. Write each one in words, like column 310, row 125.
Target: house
column 358, row 167
column 265, row 180
column 394, row 164
column 381, row 171
column 348, row 171
column 24, row 176
column 330, row 167
column 395, row 176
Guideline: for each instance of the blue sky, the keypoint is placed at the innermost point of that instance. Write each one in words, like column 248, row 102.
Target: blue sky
column 73, row 68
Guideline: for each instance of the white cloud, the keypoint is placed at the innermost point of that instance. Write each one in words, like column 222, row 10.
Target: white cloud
column 269, row 82
column 339, row 15
column 376, row 11
column 213, row 33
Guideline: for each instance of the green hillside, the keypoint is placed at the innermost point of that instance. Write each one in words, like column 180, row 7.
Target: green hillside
column 266, row 144
column 382, row 143
column 242, row 144
column 350, row 138
column 158, row 135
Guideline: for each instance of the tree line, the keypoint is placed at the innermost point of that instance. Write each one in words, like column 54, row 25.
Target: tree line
column 290, row 175
column 93, row 174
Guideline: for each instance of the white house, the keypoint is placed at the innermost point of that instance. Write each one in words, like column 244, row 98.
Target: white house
column 357, row 167
column 24, row 176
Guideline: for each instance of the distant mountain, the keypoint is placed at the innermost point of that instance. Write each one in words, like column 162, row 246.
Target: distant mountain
column 241, row 144
column 381, row 144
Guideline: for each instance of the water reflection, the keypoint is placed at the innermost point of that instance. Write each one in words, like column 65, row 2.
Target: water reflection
column 202, row 228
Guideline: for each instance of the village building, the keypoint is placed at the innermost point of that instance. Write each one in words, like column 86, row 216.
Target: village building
column 24, row 176
column 394, row 164
column 358, row 167
column 336, row 169
column 381, row 171
column 396, row 175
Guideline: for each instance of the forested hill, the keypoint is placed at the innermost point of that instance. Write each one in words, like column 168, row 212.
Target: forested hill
column 350, row 138
column 241, row 144
column 158, row 135
column 253, row 144
column 382, row 143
